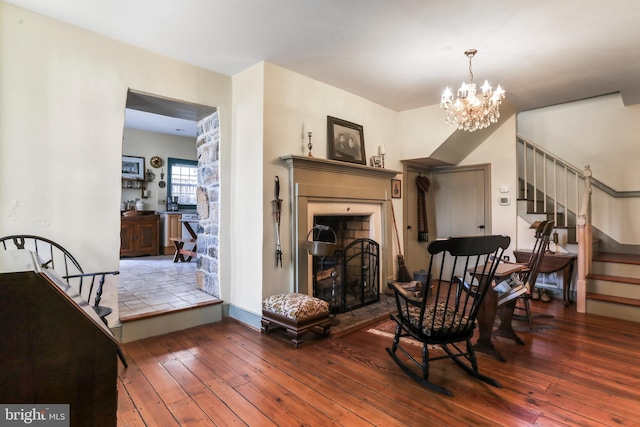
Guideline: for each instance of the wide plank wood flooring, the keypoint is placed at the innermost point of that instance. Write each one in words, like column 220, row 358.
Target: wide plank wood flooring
column 582, row 370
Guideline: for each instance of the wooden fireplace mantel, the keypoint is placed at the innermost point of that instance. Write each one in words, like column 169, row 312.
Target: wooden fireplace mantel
column 341, row 187
column 336, row 166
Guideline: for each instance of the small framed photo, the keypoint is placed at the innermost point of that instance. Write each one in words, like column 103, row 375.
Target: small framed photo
column 396, row 189
column 132, row 167
column 376, row 161
column 346, row 141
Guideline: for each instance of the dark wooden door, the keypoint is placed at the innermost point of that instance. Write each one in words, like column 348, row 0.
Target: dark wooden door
column 147, row 237
column 127, row 231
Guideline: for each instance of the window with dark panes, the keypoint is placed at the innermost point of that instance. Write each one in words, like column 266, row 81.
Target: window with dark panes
column 183, row 181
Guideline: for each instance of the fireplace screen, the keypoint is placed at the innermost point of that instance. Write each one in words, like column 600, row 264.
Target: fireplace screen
column 350, row 278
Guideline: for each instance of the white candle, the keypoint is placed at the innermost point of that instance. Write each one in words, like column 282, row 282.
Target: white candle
column 381, row 149
column 308, row 127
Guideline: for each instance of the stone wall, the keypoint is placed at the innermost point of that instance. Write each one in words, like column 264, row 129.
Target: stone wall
column 208, row 145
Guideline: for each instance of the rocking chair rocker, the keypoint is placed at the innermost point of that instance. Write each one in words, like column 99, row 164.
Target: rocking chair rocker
column 461, row 273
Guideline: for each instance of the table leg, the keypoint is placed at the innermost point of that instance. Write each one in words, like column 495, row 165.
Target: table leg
column 178, row 256
column 505, row 329
column 486, row 318
column 191, row 231
column 567, row 278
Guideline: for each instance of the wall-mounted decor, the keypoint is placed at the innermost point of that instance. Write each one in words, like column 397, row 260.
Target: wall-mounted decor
column 396, row 189
column 132, row 167
column 156, row 162
column 346, row 141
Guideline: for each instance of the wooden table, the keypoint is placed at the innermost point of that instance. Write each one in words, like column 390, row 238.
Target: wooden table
column 487, row 315
column 182, row 251
column 555, row 262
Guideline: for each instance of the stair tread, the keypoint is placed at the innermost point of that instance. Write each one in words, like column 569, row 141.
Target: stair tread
column 617, row 258
column 619, row 279
column 614, row 299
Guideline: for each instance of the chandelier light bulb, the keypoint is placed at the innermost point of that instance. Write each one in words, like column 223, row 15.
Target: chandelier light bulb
column 470, row 112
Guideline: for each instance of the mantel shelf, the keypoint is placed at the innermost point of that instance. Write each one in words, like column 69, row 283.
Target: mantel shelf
column 335, row 166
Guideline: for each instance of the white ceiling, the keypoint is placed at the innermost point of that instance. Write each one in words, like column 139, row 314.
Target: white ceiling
column 150, row 122
column 400, row 54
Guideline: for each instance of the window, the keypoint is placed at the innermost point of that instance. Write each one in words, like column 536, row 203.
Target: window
column 183, row 181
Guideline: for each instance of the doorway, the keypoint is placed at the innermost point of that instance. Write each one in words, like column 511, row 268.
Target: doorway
column 458, row 204
column 157, row 129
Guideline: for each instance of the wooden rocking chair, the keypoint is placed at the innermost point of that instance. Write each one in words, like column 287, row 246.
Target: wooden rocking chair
column 461, row 275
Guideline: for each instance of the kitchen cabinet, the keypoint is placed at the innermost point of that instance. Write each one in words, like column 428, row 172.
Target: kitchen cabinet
column 139, row 235
column 171, row 228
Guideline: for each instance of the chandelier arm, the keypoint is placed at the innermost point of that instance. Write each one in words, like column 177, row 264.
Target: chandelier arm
column 469, row 112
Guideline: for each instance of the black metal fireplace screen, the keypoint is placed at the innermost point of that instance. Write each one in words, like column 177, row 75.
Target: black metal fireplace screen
column 350, row 278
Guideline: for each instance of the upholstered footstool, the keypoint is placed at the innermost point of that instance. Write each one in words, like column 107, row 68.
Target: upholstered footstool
column 297, row 314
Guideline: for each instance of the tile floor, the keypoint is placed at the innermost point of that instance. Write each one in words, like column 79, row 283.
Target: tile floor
column 157, row 284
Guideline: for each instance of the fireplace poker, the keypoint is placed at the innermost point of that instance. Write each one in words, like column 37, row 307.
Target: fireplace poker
column 277, row 209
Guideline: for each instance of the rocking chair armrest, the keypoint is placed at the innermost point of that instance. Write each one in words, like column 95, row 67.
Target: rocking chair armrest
column 404, row 294
column 504, row 261
column 99, row 273
column 92, row 282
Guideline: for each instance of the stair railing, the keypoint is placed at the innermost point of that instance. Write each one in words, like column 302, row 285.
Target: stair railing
column 551, row 180
column 585, row 248
column 560, row 188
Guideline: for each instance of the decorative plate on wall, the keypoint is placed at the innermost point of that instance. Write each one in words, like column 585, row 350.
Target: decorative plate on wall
column 156, row 161
column 149, row 176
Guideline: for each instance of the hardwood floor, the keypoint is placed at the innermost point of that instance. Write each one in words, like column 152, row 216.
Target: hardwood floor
column 581, row 370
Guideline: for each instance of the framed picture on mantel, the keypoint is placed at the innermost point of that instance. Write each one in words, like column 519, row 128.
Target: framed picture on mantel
column 346, row 141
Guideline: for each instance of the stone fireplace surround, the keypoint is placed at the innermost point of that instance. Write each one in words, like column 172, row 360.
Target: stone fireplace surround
column 329, row 187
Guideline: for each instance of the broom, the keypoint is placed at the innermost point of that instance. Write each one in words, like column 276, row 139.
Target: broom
column 403, row 274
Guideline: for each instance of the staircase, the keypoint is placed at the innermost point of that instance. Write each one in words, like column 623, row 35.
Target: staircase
column 608, row 283
column 613, row 286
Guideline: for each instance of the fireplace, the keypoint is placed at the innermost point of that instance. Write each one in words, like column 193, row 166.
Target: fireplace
column 350, row 277
column 321, row 188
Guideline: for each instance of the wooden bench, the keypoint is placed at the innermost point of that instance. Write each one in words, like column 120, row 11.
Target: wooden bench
column 297, row 314
column 181, row 251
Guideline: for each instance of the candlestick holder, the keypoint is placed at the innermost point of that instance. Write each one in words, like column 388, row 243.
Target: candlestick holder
column 382, row 160
column 310, row 145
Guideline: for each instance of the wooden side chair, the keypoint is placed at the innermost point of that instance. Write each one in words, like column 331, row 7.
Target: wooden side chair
column 53, row 256
column 528, row 277
column 446, row 316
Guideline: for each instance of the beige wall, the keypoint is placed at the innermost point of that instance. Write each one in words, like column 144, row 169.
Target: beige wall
column 291, row 100
column 247, row 205
column 63, row 93
column 148, row 144
column 603, row 133
column 421, row 131
column 500, row 151
column 600, row 132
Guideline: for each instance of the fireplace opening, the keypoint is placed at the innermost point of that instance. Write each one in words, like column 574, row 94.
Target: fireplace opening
column 350, row 278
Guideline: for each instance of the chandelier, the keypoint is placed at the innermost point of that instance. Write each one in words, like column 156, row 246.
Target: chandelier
column 470, row 112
